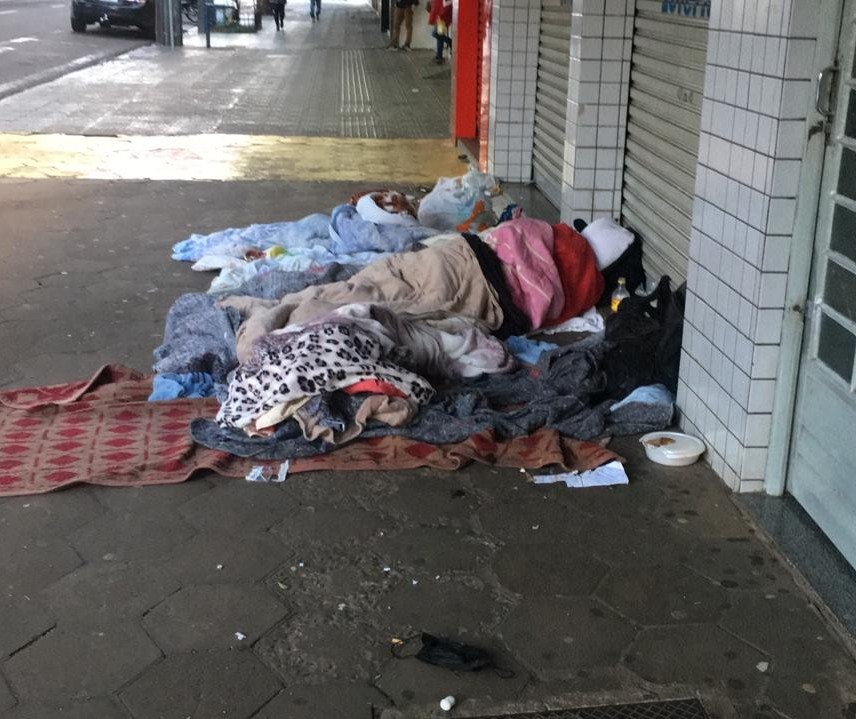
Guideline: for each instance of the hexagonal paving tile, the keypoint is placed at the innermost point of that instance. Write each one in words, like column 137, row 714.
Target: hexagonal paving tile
column 662, row 595
column 32, row 565
column 623, row 542
column 314, row 650
column 605, row 681
column 43, row 672
column 346, row 527
column 741, row 563
column 342, row 700
column 235, row 506
column 699, row 655
column 47, row 516
column 456, row 607
column 410, row 681
column 532, row 518
column 210, row 616
column 24, row 619
column 151, row 498
column 556, row 637
column 129, row 537
column 638, row 500
column 825, row 689
column 702, row 506
column 547, row 568
column 810, row 673
column 100, row 708
column 431, row 551
column 778, row 624
column 441, row 499
column 206, row 684
column 221, row 557
column 322, row 584
column 109, row 591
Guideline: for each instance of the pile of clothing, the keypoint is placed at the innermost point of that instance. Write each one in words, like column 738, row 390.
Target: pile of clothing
column 365, row 322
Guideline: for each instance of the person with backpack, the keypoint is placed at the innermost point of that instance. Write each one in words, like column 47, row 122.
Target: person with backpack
column 402, row 14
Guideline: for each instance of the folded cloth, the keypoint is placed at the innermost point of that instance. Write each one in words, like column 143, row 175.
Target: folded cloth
column 287, row 366
column 278, row 414
column 526, row 350
column 350, row 232
column 582, row 282
column 525, row 247
column 193, row 385
column 608, row 239
column 391, row 411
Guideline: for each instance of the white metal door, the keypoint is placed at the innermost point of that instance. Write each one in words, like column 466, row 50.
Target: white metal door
column 551, row 98
column 664, row 118
column 822, row 472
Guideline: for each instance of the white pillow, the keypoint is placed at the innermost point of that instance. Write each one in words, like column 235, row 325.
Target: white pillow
column 608, row 239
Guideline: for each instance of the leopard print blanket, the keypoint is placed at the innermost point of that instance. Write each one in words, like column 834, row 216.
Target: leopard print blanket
column 288, row 366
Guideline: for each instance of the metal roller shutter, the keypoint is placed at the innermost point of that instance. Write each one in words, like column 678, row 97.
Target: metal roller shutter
column 551, row 97
column 664, row 117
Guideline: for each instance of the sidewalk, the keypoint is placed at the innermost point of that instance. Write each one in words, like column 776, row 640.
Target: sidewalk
column 218, row 597
column 331, row 79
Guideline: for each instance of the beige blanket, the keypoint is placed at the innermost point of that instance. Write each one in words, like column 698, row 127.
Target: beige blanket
column 435, row 282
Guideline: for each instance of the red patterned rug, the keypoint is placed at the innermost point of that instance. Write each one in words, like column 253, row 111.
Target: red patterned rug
column 103, row 431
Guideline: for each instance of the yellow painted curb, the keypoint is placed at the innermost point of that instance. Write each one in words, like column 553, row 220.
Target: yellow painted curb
column 227, row 157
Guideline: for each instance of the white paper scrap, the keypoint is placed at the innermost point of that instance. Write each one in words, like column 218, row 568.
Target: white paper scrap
column 605, row 476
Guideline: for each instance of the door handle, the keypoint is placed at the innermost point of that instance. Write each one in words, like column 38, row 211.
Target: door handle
column 823, row 91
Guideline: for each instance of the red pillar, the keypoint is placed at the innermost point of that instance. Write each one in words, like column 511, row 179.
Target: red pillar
column 467, row 51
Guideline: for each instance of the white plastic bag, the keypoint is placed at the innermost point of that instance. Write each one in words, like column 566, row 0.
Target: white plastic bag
column 453, row 198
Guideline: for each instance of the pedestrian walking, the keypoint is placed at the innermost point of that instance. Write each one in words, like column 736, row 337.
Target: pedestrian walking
column 440, row 16
column 278, row 9
column 315, row 9
column 402, row 14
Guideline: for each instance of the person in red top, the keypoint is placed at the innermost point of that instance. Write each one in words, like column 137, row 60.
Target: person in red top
column 440, row 16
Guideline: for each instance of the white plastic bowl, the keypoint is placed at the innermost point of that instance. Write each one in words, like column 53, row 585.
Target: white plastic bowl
column 683, row 449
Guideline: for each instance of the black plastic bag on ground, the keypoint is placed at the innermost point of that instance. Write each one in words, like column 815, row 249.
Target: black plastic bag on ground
column 453, row 655
column 645, row 334
column 667, row 360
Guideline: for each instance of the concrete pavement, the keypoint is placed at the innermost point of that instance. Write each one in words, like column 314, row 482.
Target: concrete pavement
column 331, row 79
column 37, row 44
column 223, row 598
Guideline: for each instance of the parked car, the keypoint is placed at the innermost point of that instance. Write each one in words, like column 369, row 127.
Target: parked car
column 124, row 13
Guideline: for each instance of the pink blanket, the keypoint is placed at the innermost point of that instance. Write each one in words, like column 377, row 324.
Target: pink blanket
column 525, row 247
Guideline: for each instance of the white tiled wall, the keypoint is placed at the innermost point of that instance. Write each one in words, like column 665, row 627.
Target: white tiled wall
column 513, row 77
column 601, row 41
column 757, row 87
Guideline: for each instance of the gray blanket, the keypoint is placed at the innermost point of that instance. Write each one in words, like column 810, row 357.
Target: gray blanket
column 200, row 337
column 564, row 392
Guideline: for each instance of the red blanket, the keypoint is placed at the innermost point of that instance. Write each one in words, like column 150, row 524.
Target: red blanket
column 103, row 431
